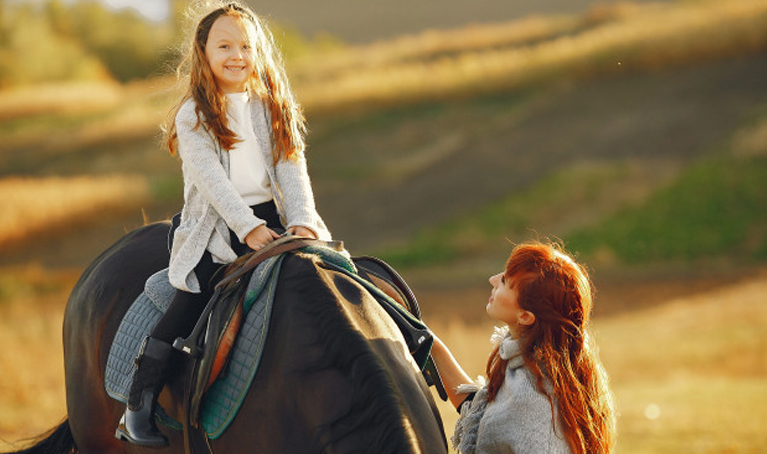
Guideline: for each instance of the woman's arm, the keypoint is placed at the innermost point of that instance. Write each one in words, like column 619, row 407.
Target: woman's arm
column 450, row 371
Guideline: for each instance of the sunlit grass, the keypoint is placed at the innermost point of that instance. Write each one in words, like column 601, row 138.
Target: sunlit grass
column 41, row 206
column 432, row 44
column 32, row 390
column 689, row 375
column 72, row 97
column 564, row 200
column 715, row 209
column 70, row 117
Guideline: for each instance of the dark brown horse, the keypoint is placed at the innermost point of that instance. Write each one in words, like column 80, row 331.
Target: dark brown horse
column 335, row 376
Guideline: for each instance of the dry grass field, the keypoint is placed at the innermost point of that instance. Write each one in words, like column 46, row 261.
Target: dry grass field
column 609, row 38
column 689, row 374
column 33, row 206
column 106, row 128
column 31, row 316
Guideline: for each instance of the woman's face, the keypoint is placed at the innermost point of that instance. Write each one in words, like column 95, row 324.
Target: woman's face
column 229, row 53
column 503, row 304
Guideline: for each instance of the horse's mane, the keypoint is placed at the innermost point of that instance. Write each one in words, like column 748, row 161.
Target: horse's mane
column 376, row 410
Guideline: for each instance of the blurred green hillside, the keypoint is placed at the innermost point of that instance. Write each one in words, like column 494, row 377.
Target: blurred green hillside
column 636, row 133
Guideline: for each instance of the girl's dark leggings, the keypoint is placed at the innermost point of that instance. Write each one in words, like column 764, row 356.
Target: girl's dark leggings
column 186, row 307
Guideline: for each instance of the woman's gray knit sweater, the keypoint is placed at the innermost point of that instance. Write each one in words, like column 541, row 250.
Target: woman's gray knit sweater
column 212, row 205
column 518, row 421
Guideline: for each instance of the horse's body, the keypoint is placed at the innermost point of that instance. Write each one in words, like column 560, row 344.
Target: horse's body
column 335, row 375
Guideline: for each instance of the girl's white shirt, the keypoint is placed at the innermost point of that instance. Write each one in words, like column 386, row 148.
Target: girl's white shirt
column 247, row 168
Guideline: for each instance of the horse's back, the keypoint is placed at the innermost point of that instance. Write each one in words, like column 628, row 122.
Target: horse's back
column 335, row 376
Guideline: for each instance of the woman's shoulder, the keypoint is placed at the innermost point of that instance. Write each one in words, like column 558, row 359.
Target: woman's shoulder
column 521, row 392
column 530, row 413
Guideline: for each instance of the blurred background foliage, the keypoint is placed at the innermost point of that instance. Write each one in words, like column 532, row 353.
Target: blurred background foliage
column 657, row 155
column 57, row 40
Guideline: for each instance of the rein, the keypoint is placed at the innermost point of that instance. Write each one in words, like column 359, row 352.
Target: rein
column 284, row 244
column 235, row 271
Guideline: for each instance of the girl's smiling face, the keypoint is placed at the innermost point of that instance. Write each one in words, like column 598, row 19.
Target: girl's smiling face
column 229, row 53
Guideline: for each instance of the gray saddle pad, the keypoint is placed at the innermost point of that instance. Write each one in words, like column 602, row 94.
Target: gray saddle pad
column 224, row 397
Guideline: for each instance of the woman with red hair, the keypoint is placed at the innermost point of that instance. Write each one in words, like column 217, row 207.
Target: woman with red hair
column 546, row 391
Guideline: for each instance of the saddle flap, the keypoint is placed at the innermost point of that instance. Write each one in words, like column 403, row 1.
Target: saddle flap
column 388, row 280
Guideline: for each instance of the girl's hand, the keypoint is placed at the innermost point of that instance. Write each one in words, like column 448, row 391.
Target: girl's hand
column 260, row 237
column 301, row 231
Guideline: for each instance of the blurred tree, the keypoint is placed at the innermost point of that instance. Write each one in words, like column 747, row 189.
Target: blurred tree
column 176, row 18
column 129, row 45
column 59, row 18
column 2, row 24
column 32, row 52
column 294, row 45
column 55, row 40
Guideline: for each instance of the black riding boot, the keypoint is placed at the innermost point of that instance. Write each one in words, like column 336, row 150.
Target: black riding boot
column 137, row 424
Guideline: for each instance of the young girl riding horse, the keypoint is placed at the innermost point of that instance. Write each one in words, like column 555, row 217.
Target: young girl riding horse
column 239, row 133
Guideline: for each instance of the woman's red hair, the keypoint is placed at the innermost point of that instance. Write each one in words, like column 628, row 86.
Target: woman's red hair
column 557, row 348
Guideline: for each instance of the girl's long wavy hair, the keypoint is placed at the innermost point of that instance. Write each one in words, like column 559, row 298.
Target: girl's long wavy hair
column 557, row 347
column 268, row 81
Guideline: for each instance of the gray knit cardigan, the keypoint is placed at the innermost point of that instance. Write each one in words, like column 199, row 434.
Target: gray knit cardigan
column 518, row 421
column 212, row 205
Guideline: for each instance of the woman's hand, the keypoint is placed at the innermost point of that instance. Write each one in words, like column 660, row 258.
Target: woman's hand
column 301, row 231
column 260, row 237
